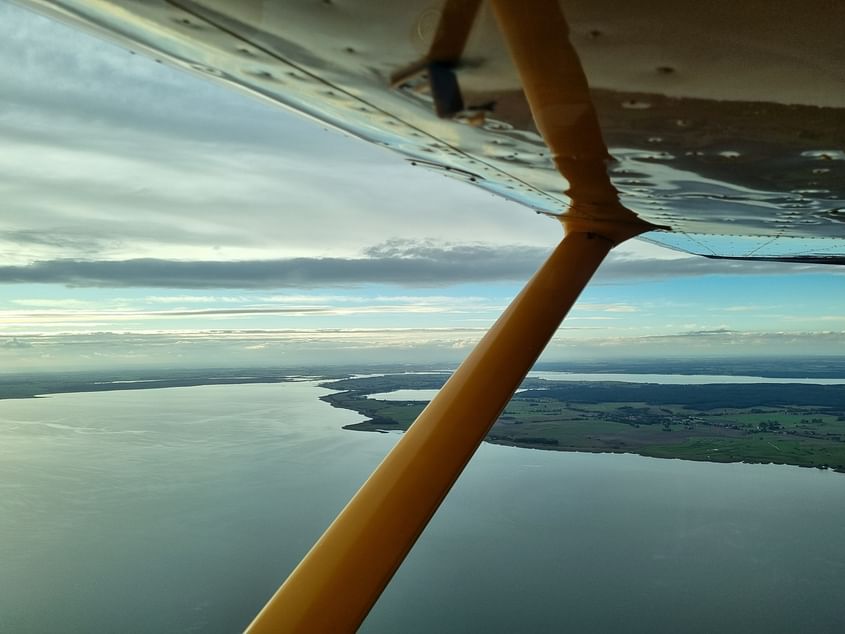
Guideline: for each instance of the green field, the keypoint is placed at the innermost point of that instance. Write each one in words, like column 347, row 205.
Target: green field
column 796, row 424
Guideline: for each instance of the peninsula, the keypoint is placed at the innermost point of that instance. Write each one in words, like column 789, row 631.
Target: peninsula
column 785, row 423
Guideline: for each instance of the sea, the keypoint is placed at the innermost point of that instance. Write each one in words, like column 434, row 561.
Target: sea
column 182, row 510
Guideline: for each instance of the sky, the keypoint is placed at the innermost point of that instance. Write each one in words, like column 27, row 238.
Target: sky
column 151, row 218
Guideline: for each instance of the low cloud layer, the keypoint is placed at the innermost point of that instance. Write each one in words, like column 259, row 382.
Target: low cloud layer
column 423, row 267
column 405, row 263
column 263, row 348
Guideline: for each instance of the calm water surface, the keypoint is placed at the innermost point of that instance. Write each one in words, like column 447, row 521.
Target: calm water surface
column 180, row 510
column 665, row 379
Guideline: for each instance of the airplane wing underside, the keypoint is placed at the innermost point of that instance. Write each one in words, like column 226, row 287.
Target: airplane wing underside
column 725, row 120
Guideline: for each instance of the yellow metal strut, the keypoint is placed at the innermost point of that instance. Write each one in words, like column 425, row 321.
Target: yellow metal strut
column 340, row 579
column 336, row 584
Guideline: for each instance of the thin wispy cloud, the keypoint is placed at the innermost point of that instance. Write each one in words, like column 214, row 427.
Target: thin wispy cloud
column 234, row 348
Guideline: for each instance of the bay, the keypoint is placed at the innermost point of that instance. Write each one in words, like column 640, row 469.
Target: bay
column 181, row 510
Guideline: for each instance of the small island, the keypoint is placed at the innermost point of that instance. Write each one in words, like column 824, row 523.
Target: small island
column 784, row 423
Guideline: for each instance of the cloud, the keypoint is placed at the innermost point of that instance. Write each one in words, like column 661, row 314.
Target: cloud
column 66, row 240
column 15, row 344
column 411, row 264
column 608, row 308
column 398, row 262
column 108, row 156
column 312, row 347
column 99, row 85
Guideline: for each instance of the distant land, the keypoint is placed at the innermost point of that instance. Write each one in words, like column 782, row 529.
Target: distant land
column 29, row 384
column 785, row 423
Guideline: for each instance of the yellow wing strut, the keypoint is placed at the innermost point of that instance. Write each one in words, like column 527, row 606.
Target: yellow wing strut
column 334, row 587
column 339, row 580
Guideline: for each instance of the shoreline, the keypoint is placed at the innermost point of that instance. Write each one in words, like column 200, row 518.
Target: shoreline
column 547, row 421
column 350, row 391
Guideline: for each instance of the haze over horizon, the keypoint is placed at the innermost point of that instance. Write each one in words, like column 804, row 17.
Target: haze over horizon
column 154, row 218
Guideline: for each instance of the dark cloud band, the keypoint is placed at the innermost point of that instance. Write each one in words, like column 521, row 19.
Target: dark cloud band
column 395, row 262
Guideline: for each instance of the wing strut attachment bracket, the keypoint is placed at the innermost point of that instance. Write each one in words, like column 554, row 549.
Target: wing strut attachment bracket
column 443, row 58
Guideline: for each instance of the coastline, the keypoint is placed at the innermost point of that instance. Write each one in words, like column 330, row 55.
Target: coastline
column 535, row 420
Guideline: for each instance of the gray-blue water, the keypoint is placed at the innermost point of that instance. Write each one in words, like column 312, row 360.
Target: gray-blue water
column 181, row 510
column 665, row 379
